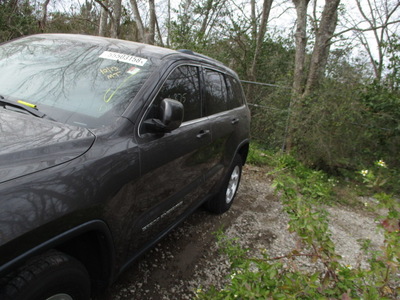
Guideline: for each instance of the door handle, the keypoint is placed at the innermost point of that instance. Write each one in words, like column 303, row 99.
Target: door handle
column 235, row 121
column 202, row 133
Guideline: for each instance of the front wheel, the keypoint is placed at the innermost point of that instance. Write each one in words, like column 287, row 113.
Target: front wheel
column 223, row 200
column 51, row 276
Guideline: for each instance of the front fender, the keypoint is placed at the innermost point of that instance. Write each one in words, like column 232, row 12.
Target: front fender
column 97, row 227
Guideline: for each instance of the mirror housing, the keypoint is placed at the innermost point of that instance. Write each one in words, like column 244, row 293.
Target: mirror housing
column 171, row 116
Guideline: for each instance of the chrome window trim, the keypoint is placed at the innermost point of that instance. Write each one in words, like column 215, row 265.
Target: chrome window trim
column 226, row 112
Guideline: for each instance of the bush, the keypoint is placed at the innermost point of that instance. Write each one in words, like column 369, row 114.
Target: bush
column 16, row 21
column 265, row 277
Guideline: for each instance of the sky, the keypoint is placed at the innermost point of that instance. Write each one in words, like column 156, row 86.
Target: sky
column 282, row 18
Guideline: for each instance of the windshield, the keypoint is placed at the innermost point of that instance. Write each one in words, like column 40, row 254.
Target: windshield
column 71, row 81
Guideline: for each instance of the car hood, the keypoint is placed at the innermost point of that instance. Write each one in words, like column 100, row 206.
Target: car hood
column 29, row 144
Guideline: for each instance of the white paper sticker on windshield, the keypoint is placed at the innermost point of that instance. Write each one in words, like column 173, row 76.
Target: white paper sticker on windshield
column 133, row 60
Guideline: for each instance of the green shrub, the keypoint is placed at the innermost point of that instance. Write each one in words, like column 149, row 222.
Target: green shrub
column 265, row 277
column 257, row 156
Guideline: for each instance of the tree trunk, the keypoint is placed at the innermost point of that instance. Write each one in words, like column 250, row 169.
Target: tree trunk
column 161, row 42
column 253, row 20
column 260, row 36
column 152, row 23
column 209, row 6
column 43, row 21
column 301, row 43
column 169, row 23
column 299, row 72
column 186, row 16
column 103, row 20
column 321, row 49
column 304, row 85
column 115, row 22
column 138, row 20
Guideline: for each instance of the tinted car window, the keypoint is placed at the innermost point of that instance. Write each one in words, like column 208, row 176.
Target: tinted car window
column 71, row 81
column 215, row 92
column 182, row 85
column 235, row 95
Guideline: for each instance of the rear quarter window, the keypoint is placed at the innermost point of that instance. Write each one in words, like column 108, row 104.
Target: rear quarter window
column 235, row 92
column 216, row 98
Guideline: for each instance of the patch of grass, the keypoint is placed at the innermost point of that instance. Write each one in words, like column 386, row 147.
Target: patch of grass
column 258, row 156
column 302, row 191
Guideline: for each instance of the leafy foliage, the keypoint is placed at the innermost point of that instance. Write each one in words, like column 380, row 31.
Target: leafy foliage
column 16, row 19
column 265, row 277
column 393, row 49
column 383, row 127
column 344, row 128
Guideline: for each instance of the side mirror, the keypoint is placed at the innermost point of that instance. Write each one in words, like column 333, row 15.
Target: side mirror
column 171, row 116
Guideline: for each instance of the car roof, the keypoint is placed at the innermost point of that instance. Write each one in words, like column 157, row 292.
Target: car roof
column 154, row 51
column 150, row 50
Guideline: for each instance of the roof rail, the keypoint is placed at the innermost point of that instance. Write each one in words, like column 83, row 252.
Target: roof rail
column 190, row 52
column 186, row 51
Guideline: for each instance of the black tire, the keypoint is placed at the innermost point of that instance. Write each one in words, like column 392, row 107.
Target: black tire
column 53, row 275
column 223, row 200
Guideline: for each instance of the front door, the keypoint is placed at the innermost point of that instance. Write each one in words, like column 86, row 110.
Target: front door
column 173, row 164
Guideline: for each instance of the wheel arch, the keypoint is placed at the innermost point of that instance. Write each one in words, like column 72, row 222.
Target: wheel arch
column 90, row 243
column 243, row 150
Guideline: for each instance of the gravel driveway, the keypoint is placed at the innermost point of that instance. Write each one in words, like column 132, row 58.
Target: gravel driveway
column 188, row 259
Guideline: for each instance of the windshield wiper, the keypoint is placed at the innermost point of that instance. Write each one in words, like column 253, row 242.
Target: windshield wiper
column 34, row 111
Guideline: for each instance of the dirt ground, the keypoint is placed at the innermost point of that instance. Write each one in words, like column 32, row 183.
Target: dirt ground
column 188, row 258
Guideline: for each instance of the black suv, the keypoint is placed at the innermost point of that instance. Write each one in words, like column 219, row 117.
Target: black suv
column 105, row 146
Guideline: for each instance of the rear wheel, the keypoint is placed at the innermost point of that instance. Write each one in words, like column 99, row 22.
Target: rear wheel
column 223, row 200
column 51, row 276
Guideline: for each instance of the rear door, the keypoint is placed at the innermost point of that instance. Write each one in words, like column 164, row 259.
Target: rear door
column 222, row 106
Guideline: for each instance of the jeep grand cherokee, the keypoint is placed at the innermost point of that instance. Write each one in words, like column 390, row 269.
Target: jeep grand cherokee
column 105, row 146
